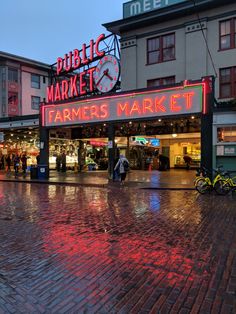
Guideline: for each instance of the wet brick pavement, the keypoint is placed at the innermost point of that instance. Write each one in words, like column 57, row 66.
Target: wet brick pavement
column 67, row 249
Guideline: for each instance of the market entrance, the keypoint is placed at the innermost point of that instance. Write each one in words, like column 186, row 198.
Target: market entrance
column 145, row 125
column 157, row 144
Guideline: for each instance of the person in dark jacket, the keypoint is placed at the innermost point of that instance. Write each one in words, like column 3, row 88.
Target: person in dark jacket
column 24, row 163
column 16, row 162
column 8, row 162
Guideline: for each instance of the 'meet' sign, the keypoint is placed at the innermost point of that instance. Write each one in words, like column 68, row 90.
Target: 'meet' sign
column 142, row 6
column 150, row 104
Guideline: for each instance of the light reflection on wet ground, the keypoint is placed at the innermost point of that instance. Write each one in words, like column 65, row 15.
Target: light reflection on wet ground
column 90, row 249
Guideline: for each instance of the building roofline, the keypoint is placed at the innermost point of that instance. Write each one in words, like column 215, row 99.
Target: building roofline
column 26, row 61
column 164, row 14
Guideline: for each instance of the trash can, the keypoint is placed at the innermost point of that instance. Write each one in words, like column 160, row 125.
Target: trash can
column 43, row 172
column 33, row 172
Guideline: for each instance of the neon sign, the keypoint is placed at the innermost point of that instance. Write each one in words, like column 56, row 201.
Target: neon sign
column 79, row 84
column 187, row 99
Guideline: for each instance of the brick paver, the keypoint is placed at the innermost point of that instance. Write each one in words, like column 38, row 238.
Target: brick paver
column 67, row 249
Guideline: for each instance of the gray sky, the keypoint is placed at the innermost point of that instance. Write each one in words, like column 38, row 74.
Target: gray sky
column 46, row 29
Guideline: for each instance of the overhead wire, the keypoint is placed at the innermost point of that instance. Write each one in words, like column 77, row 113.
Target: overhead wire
column 205, row 39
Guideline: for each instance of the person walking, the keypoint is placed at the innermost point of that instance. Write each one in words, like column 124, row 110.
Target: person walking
column 122, row 166
column 24, row 163
column 8, row 162
column 63, row 162
column 16, row 162
column 58, row 162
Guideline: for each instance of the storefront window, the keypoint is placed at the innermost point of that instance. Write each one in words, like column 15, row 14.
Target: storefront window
column 226, row 134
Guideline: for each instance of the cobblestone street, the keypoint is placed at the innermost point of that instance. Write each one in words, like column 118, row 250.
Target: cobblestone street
column 68, row 249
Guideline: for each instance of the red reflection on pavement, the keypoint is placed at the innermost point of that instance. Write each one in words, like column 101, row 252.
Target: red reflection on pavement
column 136, row 250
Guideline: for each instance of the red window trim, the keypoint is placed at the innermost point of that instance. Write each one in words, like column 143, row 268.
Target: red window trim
column 232, row 34
column 232, row 82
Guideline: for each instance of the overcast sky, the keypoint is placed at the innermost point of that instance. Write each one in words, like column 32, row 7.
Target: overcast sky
column 46, row 29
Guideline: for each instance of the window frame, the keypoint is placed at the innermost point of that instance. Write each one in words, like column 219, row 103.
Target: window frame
column 232, row 34
column 160, row 49
column 161, row 79
column 32, row 102
column 34, row 82
column 232, row 82
column 10, row 69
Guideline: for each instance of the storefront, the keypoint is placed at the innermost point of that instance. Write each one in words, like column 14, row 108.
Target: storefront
column 129, row 122
column 20, row 136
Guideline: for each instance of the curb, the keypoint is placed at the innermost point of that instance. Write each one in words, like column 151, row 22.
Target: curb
column 106, row 185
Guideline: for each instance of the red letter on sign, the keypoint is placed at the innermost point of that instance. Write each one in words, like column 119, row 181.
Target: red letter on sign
column 50, row 115
column 90, row 72
column 73, row 86
column 148, row 105
column 173, row 103
column 99, row 53
column 68, row 61
column 158, row 104
column 58, row 92
column 59, row 65
column 50, row 93
column 77, row 59
column 82, row 83
column 84, row 56
column 66, row 115
column 189, row 100
column 64, row 90
column 121, row 108
column 91, row 50
column 104, row 111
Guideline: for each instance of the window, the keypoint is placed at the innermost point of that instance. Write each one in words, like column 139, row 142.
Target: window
column 161, row 81
column 226, row 134
column 12, row 75
column 228, row 34
column 35, row 81
column 228, row 82
column 160, row 49
column 35, row 102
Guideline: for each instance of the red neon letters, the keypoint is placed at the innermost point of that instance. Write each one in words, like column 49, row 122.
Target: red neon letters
column 79, row 84
column 160, row 105
column 73, row 114
column 123, row 107
column 78, row 58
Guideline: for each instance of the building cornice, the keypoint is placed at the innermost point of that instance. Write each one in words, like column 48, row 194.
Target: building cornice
column 4, row 56
column 165, row 14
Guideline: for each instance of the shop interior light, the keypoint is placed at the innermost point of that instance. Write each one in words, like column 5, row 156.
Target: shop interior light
column 159, row 120
column 11, row 134
column 192, row 117
column 174, row 135
column 130, row 122
column 30, row 132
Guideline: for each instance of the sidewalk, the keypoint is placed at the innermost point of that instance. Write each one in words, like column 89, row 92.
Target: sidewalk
column 174, row 179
